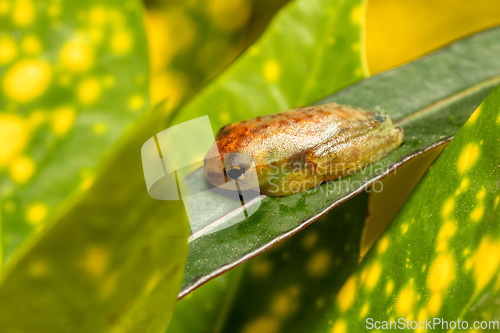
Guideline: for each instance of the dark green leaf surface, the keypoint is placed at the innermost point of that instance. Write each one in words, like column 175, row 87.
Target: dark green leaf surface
column 285, row 289
column 289, row 288
column 430, row 98
column 76, row 79
column 439, row 256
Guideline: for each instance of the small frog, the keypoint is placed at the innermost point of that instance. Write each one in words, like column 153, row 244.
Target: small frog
column 299, row 149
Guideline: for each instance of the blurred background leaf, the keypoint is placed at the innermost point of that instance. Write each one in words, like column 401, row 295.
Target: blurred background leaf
column 320, row 40
column 440, row 254
column 223, row 28
column 400, row 31
column 65, row 101
column 192, row 41
column 104, row 257
column 210, row 304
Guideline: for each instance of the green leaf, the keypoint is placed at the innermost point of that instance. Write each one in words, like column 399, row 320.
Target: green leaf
column 310, row 49
column 75, row 79
column 285, row 289
column 190, row 42
column 320, row 40
column 439, row 257
column 211, row 304
column 114, row 261
column 105, row 256
column 430, row 98
column 391, row 193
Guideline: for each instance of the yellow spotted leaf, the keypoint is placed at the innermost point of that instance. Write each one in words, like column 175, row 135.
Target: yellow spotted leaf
column 83, row 248
column 73, row 76
column 440, row 253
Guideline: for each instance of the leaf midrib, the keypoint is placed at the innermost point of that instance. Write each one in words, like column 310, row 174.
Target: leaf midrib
column 451, row 99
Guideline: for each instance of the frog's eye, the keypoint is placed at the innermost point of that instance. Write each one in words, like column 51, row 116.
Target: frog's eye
column 380, row 117
column 235, row 173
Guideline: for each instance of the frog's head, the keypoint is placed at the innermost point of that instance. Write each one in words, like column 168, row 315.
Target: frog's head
column 228, row 168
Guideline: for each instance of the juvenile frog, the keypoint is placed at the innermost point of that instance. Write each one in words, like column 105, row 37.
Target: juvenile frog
column 299, row 149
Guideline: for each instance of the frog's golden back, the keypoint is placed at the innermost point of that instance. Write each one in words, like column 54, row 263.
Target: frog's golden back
column 297, row 150
column 278, row 137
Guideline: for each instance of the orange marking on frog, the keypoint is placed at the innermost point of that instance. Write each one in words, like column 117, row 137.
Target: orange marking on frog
column 296, row 150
